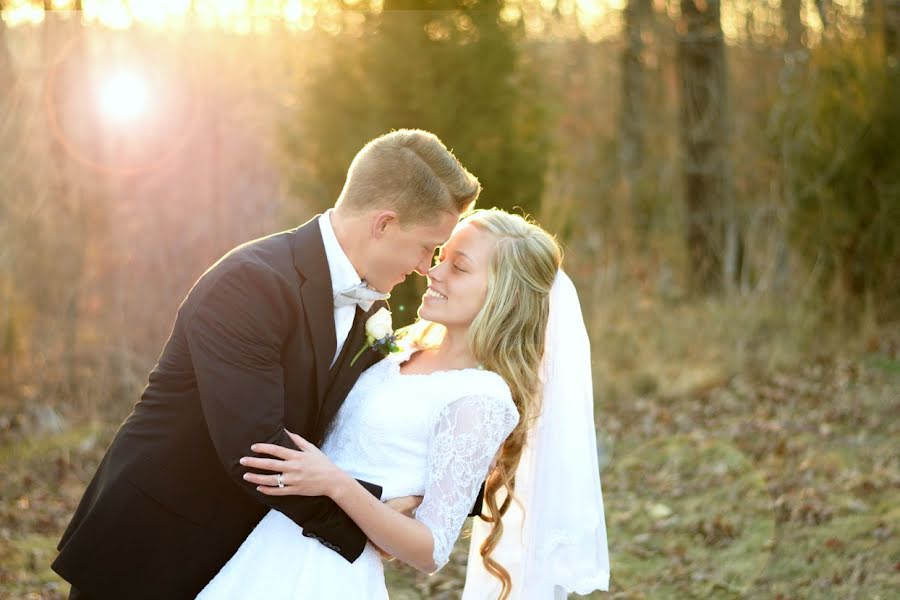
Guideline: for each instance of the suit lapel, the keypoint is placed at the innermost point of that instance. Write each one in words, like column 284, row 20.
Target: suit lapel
column 344, row 375
column 355, row 340
column 318, row 302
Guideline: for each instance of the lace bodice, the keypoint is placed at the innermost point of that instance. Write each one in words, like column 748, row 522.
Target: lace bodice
column 431, row 435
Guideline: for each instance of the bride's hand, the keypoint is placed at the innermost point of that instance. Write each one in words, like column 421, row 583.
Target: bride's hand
column 307, row 472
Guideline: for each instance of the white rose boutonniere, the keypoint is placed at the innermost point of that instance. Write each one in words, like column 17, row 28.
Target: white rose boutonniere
column 380, row 334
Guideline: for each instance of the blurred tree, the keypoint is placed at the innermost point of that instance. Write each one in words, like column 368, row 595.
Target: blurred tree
column 844, row 125
column 870, row 17
column 823, row 7
column 7, row 331
column 632, row 116
column 448, row 66
column 711, row 238
column 64, row 53
column 794, row 61
column 793, row 24
column 891, row 17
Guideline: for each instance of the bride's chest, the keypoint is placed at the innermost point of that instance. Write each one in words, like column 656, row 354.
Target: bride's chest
column 392, row 406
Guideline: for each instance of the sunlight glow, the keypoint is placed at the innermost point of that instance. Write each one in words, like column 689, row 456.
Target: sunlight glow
column 249, row 16
column 23, row 13
column 597, row 19
column 159, row 14
column 293, row 11
column 110, row 13
column 123, row 96
column 599, row 8
column 593, row 13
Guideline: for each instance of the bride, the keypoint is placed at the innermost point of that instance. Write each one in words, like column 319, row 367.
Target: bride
column 454, row 408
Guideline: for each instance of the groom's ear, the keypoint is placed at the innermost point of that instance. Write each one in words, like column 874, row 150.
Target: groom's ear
column 381, row 221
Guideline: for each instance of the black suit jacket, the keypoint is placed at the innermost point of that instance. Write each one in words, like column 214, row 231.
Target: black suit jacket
column 248, row 356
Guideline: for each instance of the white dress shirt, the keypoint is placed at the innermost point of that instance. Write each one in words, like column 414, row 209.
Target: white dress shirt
column 343, row 276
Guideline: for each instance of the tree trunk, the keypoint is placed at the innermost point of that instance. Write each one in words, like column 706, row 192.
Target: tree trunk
column 793, row 24
column 824, row 8
column 704, row 135
column 791, row 68
column 870, row 17
column 7, row 331
column 632, row 126
column 892, row 28
column 63, row 182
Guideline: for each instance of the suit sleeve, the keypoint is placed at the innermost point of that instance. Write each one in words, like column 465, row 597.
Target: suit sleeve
column 235, row 335
column 478, row 505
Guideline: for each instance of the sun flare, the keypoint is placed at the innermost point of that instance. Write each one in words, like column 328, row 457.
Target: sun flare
column 124, row 96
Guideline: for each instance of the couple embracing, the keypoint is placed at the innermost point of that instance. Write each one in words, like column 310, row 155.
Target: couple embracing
column 288, row 440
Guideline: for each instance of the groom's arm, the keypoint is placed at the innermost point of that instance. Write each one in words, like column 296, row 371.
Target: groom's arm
column 235, row 331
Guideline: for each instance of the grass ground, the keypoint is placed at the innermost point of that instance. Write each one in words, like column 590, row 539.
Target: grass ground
column 747, row 452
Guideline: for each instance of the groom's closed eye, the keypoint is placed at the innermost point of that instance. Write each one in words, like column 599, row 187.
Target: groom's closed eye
column 430, row 250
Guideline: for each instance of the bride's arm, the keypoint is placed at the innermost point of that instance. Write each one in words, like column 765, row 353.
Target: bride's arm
column 396, row 534
column 465, row 439
column 310, row 472
column 467, row 435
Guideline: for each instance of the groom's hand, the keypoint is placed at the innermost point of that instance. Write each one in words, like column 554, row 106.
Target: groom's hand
column 405, row 504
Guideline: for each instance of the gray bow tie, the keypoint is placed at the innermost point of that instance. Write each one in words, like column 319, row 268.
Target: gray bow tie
column 361, row 295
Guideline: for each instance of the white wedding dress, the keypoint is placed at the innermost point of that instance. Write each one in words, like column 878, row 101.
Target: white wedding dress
column 431, row 435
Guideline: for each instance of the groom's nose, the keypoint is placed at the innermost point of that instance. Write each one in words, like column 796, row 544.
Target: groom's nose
column 423, row 267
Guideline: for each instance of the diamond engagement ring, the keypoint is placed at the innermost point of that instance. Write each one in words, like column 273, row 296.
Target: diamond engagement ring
column 280, row 480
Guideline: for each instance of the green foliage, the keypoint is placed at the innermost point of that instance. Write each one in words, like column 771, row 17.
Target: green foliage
column 841, row 138
column 456, row 72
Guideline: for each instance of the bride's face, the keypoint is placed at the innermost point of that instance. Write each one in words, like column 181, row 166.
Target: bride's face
column 457, row 283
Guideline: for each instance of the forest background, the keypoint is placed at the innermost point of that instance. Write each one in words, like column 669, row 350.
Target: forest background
column 724, row 176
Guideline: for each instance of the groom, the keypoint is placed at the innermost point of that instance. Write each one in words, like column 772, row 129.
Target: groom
column 262, row 343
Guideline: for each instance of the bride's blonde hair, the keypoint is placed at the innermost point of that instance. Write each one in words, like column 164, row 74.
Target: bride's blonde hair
column 507, row 337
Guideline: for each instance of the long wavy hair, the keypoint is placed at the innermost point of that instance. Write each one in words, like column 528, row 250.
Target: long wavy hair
column 507, row 337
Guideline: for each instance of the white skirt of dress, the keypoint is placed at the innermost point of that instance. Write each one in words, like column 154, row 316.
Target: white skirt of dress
column 278, row 562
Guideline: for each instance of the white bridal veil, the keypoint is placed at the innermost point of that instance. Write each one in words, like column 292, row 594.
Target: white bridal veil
column 554, row 538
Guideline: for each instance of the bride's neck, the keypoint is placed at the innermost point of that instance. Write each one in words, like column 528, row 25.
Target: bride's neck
column 454, row 351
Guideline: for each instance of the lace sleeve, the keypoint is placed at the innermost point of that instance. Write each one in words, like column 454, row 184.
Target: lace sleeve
column 466, row 436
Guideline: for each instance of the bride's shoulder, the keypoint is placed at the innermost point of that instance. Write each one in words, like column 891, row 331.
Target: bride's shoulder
column 484, row 384
column 486, row 398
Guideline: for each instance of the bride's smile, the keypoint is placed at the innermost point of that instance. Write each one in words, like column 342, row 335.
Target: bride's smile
column 433, row 293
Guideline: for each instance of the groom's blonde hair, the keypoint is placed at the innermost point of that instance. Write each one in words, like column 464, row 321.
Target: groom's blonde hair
column 411, row 172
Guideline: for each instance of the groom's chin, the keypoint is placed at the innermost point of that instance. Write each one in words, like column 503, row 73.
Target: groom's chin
column 385, row 287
